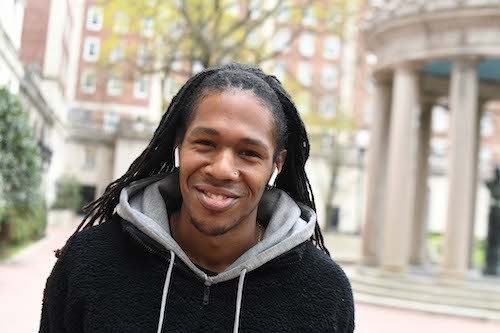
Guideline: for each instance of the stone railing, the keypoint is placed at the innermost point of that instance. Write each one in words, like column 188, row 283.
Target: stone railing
column 136, row 128
column 385, row 10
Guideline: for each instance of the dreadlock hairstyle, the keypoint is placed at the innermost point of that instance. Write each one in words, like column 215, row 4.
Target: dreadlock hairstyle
column 157, row 157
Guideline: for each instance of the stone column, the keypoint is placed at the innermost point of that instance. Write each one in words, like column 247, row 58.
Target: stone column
column 418, row 250
column 398, row 208
column 463, row 165
column 376, row 175
column 477, row 147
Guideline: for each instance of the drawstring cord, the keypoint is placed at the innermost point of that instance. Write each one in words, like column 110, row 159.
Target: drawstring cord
column 165, row 291
column 239, row 295
column 238, row 301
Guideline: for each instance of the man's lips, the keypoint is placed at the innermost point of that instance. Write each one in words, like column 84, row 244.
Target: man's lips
column 215, row 203
column 215, row 199
column 217, row 191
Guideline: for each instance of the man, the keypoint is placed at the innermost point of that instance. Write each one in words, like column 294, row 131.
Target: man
column 212, row 229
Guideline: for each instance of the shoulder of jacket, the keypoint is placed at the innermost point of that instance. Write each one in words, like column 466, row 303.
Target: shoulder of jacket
column 98, row 238
column 324, row 267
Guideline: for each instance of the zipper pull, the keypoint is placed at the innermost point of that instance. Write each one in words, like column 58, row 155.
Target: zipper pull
column 206, row 294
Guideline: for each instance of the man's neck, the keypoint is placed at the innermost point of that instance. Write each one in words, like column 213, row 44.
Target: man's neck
column 214, row 253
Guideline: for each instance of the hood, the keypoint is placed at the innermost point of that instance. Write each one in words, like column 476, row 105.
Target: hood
column 145, row 204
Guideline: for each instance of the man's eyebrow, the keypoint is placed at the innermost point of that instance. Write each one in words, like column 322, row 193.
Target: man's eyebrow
column 255, row 142
column 206, row 130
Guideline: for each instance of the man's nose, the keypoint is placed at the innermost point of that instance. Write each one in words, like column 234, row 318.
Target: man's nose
column 224, row 166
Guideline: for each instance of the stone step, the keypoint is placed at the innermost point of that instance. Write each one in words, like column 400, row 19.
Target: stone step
column 436, row 289
column 433, row 308
column 427, row 297
column 471, row 298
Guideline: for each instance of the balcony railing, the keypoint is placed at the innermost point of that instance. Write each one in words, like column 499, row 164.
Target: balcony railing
column 385, row 10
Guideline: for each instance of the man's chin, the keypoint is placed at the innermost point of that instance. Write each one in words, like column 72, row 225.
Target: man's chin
column 209, row 230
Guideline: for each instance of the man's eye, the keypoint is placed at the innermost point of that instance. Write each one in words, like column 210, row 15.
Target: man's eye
column 250, row 153
column 205, row 143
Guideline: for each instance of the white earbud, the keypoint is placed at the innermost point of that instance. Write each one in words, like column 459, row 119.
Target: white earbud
column 273, row 177
column 176, row 157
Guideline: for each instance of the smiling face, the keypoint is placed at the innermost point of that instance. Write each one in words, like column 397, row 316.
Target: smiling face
column 226, row 160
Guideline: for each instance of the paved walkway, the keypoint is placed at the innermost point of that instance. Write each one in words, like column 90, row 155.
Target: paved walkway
column 373, row 319
column 22, row 280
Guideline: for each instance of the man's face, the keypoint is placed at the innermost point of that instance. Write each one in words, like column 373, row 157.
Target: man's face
column 226, row 160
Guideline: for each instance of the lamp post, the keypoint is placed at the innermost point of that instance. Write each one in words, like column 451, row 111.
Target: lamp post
column 493, row 240
column 362, row 139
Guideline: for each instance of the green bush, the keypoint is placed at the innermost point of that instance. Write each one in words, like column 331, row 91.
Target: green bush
column 28, row 224
column 68, row 194
column 22, row 212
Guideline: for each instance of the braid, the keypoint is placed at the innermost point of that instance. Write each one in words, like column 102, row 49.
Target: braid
column 157, row 158
column 293, row 174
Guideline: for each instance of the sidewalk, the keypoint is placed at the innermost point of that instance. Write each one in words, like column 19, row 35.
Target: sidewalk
column 374, row 319
column 22, row 280
column 346, row 249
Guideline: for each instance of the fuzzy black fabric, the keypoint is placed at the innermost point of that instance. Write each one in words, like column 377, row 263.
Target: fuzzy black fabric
column 110, row 279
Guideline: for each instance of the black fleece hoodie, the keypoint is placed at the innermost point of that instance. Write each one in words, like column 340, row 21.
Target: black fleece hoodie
column 116, row 278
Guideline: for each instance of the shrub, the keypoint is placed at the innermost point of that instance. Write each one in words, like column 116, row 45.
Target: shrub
column 68, row 194
column 22, row 212
column 28, row 223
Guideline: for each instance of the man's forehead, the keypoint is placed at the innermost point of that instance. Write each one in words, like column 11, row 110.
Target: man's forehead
column 226, row 111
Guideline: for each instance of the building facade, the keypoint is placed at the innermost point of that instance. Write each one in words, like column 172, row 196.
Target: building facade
column 449, row 64
column 106, row 100
column 49, row 37
column 11, row 23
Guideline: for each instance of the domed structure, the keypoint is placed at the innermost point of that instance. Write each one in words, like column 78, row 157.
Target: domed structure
column 443, row 52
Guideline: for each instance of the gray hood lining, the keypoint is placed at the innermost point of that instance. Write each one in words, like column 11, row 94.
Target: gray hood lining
column 144, row 204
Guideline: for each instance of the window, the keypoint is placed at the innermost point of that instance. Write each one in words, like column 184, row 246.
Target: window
column 233, row 9
column 371, row 59
column 309, row 18
column 331, row 48
column 114, row 86
column 307, row 45
column 88, row 81
column 485, row 155
column 280, row 71
column 141, row 87
column 282, row 40
column 329, row 77
column 121, row 23
column 111, row 121
column 116, row 54
column 255, row 6
column 197, row 67
column 304, row 102
column 170, row 89
column 284, row 13
column 327, row 106
column 368, row 111
column 176, row 65
column 439, row 146
column 254, row 38
column 94, row 18
column 148, row 27
column 89, row 158
column 142, row 56
column 305, row 74
column 440, row 119
column 487, row 125
column 91, row 49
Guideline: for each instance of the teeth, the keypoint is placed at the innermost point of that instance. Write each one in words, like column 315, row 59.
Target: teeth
column 215, row 196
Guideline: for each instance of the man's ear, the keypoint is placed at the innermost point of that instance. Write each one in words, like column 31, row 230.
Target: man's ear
column 280, row 160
